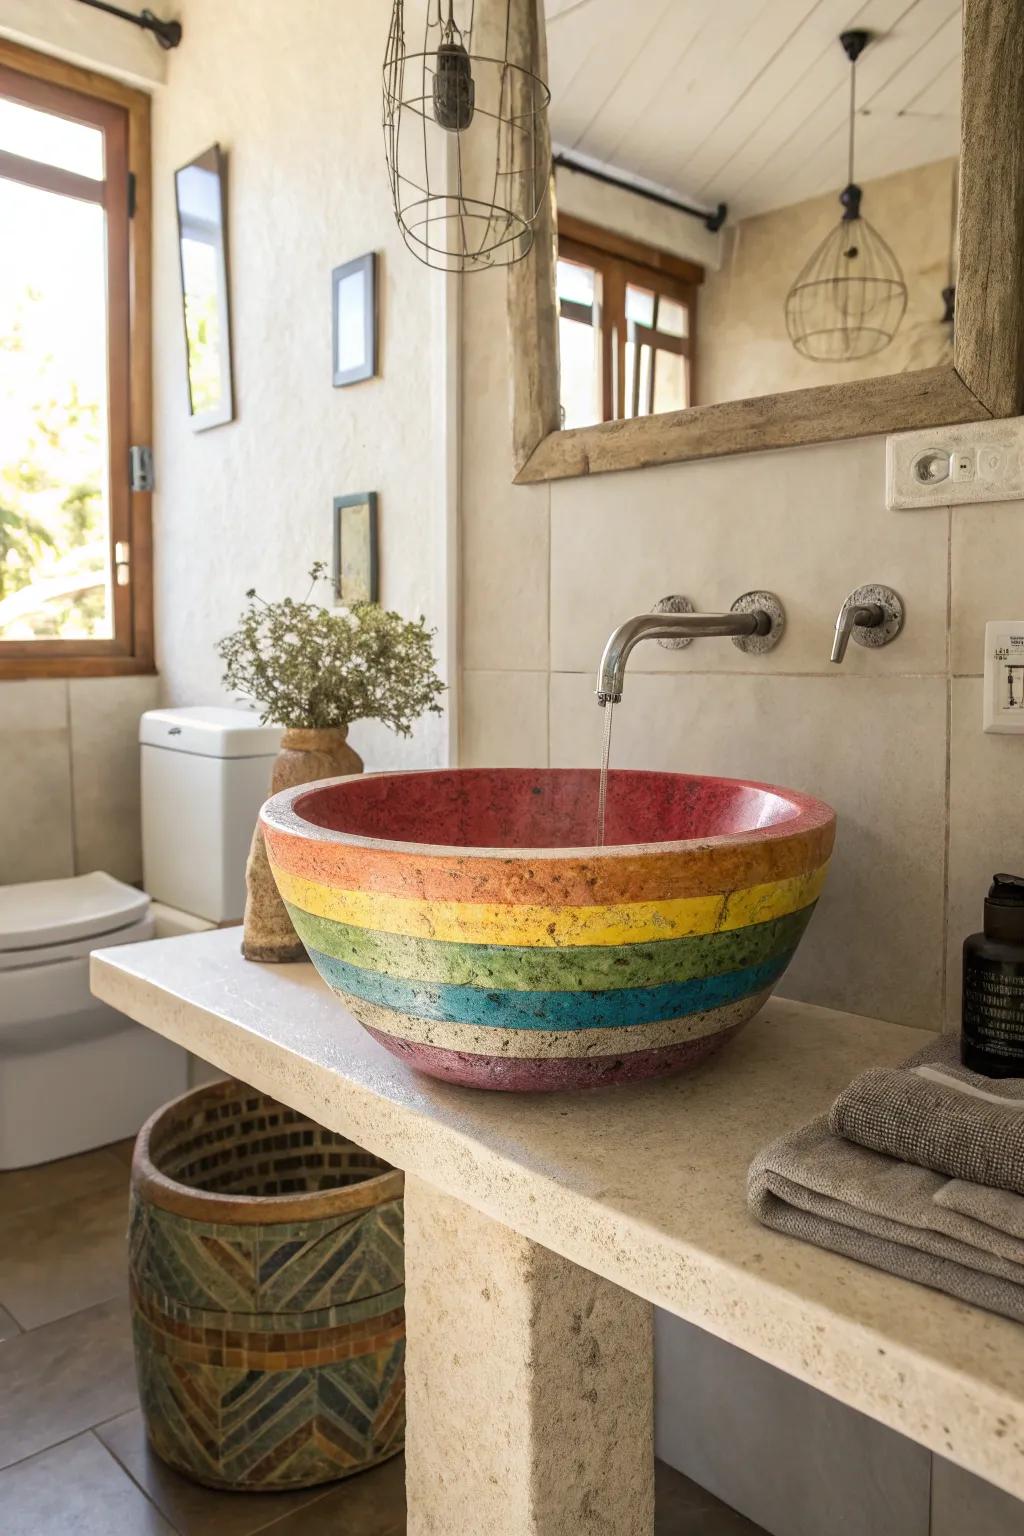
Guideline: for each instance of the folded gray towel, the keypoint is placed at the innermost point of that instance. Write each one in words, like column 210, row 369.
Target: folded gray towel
column 934, row 1112
column 816, row 1186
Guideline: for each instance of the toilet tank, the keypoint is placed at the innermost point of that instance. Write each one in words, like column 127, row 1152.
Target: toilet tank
column 205, row 774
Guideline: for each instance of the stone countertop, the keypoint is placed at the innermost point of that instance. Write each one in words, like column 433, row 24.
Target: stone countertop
column 643, row 1185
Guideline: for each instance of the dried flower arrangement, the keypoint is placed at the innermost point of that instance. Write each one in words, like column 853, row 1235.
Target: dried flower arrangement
column 311, row 667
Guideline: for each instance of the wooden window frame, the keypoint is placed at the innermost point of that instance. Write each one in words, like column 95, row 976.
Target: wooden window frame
column 985, row 381
column 51, row 84
column 621, row 261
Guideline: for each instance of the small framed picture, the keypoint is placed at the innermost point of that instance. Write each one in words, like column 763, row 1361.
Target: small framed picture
column 354, row 323
column 355, row 548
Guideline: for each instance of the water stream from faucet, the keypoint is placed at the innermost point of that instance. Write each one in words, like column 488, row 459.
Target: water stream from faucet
column 602, row 787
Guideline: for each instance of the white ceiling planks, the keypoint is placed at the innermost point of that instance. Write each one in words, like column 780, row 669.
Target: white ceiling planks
column 746, row 101
column 692, row 87
column 888, row 75
column 788, row 70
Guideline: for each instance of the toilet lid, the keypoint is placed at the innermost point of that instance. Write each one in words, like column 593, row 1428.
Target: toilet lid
column 45, row 913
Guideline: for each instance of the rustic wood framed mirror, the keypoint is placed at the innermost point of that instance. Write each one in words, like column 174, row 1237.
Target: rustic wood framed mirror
column 981, row 375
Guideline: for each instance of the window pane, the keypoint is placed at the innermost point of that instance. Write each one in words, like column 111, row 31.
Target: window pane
column 672, row 318
column 53, row 140
column 639, row 305
column 54, row 492
column 626, row 403
column 669, row 382
column 580, row 373
column 576, row 282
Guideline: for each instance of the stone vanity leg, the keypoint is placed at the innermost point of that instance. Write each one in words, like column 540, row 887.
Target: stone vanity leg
column 529, row 1385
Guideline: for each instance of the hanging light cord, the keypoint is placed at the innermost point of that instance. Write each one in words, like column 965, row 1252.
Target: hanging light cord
column 853, row 119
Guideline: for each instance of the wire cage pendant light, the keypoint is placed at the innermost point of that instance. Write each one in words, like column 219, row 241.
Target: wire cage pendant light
column 849, row 298
column 465, row 130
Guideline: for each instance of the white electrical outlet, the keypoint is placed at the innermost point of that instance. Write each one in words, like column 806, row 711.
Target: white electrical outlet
column 1004, row 676
column 947, row 466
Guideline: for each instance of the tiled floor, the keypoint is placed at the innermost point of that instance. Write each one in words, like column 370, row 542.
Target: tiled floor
column 73, row 1454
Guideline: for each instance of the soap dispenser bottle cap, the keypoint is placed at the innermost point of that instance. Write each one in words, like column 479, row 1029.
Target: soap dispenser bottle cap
column 1004, row 909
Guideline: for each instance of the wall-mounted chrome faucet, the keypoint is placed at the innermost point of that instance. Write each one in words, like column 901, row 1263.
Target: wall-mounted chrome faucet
column 754, row 623
column 872, row 616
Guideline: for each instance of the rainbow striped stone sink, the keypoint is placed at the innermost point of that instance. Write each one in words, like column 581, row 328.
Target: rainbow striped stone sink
column 468, row 922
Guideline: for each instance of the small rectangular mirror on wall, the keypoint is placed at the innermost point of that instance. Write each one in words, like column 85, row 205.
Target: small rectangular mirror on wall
column 770, row 230
column 201, row 197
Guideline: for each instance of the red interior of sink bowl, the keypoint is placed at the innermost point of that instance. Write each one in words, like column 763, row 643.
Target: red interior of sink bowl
column 550, row 808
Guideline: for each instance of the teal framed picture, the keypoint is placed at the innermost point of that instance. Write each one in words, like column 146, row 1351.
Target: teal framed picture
column 355, row 566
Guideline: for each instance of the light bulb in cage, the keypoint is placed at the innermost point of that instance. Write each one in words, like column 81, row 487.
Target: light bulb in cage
column 454, row 87
column 465, row 130
column 850, row 297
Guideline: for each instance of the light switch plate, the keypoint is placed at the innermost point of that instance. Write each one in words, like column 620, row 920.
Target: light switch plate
column 1004, row 676
column 949, row 466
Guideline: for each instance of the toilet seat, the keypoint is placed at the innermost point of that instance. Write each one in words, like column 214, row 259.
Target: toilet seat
column 74, row 1073
column 49, row 920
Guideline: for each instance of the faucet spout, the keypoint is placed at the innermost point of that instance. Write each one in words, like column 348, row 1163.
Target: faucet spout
column 668, row 626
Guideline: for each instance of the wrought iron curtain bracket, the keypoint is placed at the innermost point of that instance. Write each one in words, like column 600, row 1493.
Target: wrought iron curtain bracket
column 167, row 33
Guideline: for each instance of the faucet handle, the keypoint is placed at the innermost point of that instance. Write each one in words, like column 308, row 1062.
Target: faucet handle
column 872, row 615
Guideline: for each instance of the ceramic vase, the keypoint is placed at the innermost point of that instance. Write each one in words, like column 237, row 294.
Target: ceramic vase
column 305, row 755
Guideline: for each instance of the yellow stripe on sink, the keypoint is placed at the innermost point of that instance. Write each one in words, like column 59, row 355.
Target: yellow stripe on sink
column 554, row 927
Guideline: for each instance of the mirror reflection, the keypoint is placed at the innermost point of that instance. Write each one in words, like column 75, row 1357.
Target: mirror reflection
column 751, row 198
column 201, row 199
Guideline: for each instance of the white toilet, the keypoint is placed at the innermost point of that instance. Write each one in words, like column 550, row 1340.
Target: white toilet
column 74, row 1073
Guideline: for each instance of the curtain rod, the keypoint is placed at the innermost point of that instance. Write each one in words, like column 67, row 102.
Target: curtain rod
column 167, row 33
column 712, row 221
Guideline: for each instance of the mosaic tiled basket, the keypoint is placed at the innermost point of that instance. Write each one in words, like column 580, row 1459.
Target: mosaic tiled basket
column 267, row 1294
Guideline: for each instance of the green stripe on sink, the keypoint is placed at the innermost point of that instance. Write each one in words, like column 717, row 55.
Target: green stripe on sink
column 596, row 968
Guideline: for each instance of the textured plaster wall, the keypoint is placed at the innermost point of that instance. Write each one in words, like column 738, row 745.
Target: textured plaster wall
column 85, row 36
column 292, row 93
column 742, row 345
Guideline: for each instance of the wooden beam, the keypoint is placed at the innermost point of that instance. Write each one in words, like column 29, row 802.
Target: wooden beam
column 614, row 244
column 532, row 304
column 989, row 337
column 895, row 403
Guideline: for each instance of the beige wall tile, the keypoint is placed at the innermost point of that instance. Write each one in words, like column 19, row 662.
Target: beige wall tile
column 849, row 1474
column 874, row 748
column 33, row 705
column 35, row 771
column 808, row 524
column 964, row 1505
column 105, row 771
column 987, row 575
column 985, row 835
column 504, row 720
column 504, row 536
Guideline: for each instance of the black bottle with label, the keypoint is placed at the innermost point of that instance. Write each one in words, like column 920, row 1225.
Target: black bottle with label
column 992, row 1041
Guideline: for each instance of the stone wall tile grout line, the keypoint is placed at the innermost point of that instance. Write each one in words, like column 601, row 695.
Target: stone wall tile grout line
column 940, row 674
column 550, row 589
column 72, row 818
column 948, row 803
